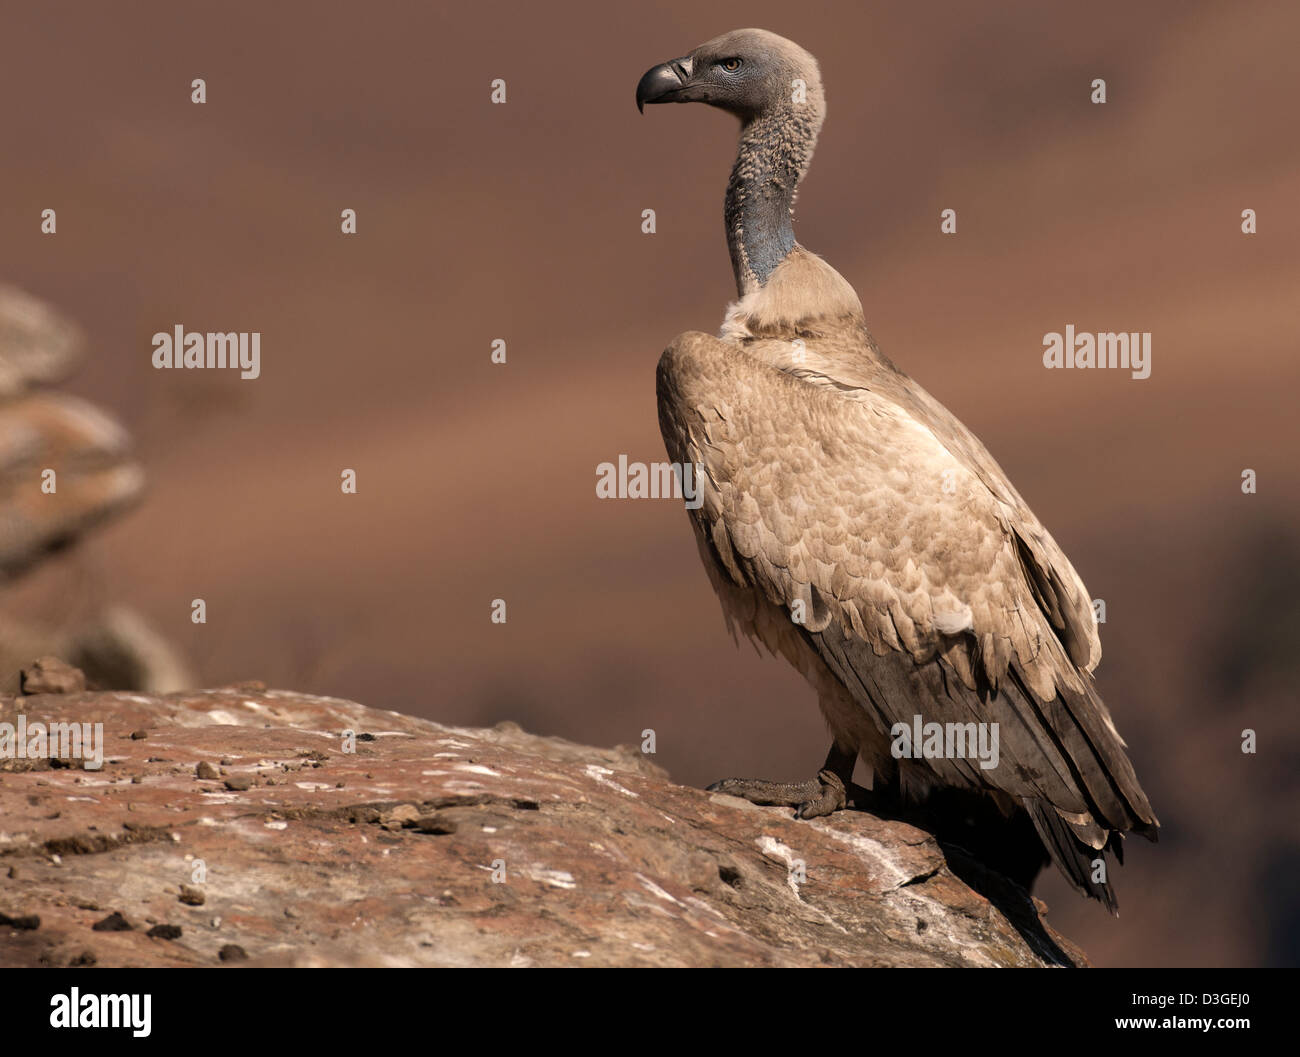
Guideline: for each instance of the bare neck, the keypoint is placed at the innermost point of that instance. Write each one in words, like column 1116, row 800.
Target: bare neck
column 775, row 149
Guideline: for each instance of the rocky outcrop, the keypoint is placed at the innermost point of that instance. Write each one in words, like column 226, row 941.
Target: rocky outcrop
column 45, row 432
column 66, row 467
column 244, row 825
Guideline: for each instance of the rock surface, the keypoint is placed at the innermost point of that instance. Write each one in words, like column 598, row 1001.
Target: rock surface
column 432, row 845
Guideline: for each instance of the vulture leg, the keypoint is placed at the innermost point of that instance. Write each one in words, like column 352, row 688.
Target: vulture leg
column 812, row 799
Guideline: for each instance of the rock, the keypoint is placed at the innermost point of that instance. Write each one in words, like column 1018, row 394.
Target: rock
column 115, row 922
column 21, row 921
column 397, row 817
column 438, row 824
column 239, row 784
column 38, row 346
column 119, row 650
column 113, row 647
column 49, row 675
column 450, row 846
column 165, row 932
column 95, row 474
column 65, row 468
column 87, row 450
column 206, row 770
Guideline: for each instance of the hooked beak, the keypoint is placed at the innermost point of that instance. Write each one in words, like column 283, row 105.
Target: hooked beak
column 664, row 83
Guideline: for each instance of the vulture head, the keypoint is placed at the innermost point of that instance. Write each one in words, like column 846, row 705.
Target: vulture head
column 748, row 72
column 774, row 87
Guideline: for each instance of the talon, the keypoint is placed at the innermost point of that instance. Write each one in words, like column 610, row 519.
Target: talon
column 821, row 796
column 760, row 791
column 833, row 797
column 826, row 793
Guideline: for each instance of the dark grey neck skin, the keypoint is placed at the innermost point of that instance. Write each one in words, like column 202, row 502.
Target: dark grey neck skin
column 775, row 149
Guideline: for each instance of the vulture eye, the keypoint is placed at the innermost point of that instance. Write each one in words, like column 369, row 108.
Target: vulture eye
column 730, row 65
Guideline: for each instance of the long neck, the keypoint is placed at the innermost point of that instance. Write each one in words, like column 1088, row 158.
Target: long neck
column 774, row 153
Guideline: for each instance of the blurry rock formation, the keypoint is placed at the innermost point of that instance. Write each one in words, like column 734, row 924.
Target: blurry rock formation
column 65, row 469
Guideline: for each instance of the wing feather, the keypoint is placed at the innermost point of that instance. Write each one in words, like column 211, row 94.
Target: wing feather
column 923, row 579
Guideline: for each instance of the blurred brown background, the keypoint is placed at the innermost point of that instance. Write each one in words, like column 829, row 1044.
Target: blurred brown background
column 522, row 222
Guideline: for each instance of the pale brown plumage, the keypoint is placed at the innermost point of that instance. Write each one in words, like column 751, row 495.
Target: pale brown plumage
column 928, row 586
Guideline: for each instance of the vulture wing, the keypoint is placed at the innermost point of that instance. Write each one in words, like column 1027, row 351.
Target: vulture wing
column 840, row 490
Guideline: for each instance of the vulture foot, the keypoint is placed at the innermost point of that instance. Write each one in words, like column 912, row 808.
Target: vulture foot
column 812, row 799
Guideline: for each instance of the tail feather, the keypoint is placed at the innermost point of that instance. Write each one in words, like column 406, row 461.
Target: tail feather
column 1071, row 855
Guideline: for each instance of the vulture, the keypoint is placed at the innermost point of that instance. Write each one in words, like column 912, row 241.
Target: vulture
column 851, row 524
